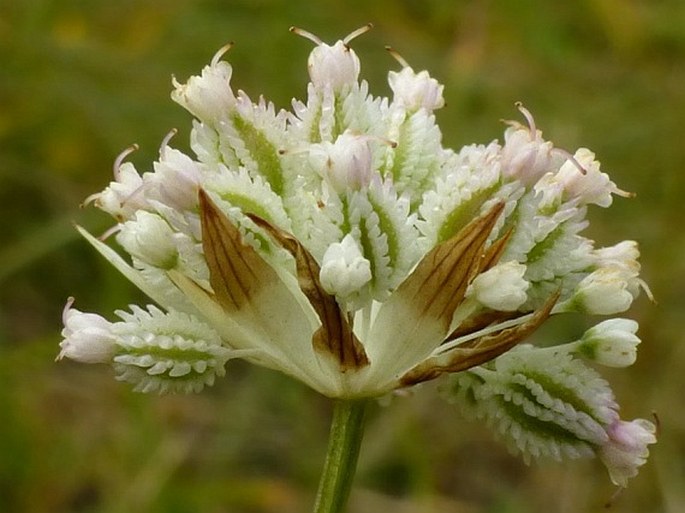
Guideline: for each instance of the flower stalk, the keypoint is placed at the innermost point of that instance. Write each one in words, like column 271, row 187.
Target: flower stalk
column 347, row 429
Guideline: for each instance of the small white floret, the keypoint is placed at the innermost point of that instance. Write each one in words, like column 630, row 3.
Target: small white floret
column 612, row 343
column 344, row 269
column 416, row 91
column 87, row 337
column 501, row 288
column 149, row 238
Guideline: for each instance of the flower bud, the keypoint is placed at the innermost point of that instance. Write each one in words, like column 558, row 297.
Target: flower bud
column 626, row 449
column 87, row 337
column 121, row 198
column 150, row 239
column 612, row 343
column 175, row 180
column 335, row 66
column 605, row 291
column 625, row 255
column 345, row 164
column 526, row 156
column 344, row 270
column 501, row 288
column 591, row 187
column 209, row 96
column 416, row 90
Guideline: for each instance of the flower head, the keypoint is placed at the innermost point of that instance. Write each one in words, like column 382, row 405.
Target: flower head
column 342, row 244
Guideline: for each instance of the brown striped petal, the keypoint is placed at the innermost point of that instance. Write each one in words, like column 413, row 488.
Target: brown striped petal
column 335, row 337
column 480, row 350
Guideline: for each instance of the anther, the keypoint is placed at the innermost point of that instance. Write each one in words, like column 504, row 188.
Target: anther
column 220, row 53
column 293, row 151
column 389, row 142
column 395, row 55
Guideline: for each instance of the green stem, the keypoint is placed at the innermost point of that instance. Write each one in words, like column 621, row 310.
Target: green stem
column 347, row 430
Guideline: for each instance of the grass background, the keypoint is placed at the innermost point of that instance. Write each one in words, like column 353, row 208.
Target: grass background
column 80, row 80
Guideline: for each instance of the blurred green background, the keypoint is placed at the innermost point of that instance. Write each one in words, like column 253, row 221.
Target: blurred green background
column 81, row 80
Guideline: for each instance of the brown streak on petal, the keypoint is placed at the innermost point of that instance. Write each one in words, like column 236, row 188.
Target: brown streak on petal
column 491, row 257
column 236, row 271
column 494, row 252
column 438, row 284
column 481, row 321
column 480, row 350
column 335, row 336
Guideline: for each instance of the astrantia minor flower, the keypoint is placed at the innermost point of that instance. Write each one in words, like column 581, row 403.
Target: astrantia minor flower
column 341, row 244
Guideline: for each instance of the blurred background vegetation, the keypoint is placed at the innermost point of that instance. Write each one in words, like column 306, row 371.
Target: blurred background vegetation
column 80, row 80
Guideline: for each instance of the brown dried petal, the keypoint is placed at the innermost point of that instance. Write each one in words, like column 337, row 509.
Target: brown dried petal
column 236, row 271
column 438, row 284
column 494, row 252
column 480, row 321
column 335, row 336
column 480, row 350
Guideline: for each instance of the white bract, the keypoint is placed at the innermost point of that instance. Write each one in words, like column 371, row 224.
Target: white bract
column 341, row 244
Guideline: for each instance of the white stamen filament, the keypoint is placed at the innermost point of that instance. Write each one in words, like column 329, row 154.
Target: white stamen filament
column 533, row 131
column 70, row 303
column 567, row 155
column 120, row 160
column 221, row 52
column 307, row 35
column 165, row 143
column 379, row 139
column 135, row 192
column 111, row 231
column 357, row 33
column 395, row 55
column 90, row 199
column 529, row 117
column 643, row 285
column 480, row 333
column 294, row 151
